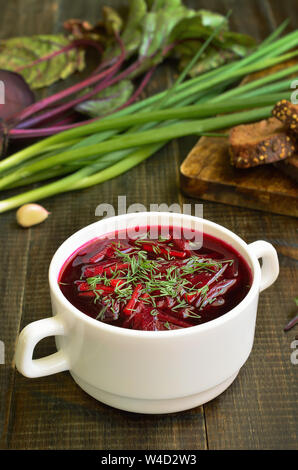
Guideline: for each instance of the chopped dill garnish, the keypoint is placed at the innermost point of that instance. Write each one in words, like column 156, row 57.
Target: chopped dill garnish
column 163, row 286
column 192, row 314
column 101, row 313
column 181, row 304
column 156, row 249
column 154, row 312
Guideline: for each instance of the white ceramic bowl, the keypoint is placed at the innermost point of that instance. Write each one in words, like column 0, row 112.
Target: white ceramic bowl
column 148, row 371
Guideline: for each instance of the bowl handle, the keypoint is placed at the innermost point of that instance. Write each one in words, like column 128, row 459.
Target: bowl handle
column 27, row 341
column 270, row 265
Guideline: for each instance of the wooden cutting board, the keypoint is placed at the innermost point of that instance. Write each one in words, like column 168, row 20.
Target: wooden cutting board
column 206, row 173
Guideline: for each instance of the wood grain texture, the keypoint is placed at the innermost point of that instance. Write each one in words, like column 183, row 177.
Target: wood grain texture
column 14, row 260
column 15, row 243
column 258, row 411
column 54, row 413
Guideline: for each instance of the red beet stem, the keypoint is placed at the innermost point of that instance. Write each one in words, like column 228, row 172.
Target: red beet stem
column 74, row 102
column 53, row 112
column 66, row 106
column 23, row 130
column 75, row 44
column 44, row 132
column 139, row 90
column 44, row 103
column 101, row 86
column 133, row 300
column 68, row 118
column 20, row 132
column 33, row 133
column 291, row 323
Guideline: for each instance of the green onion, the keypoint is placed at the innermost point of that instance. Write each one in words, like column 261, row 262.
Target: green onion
column 225, row 74
column 131, row 140
column 160, row 134
column 256, row 83
column 82, row 179
column 101, row 150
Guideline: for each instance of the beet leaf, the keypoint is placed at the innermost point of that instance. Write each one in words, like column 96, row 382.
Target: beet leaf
column 107, row 100
column 17, row 54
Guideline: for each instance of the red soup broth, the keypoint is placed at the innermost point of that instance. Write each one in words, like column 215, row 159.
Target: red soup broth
column 155, row 284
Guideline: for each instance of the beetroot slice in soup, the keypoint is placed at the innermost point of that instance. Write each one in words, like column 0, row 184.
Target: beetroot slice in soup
column 155, row 284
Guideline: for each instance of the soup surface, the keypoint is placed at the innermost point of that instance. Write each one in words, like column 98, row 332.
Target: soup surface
column 155, row 283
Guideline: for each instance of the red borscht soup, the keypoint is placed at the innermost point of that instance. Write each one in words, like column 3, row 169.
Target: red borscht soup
column 155, row 284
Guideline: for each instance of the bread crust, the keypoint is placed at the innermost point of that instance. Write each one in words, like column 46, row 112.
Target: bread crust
column 287, row 113
column 260, row 143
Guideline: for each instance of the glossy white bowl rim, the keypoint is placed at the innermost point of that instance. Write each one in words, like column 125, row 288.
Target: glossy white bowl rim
column 116, row 330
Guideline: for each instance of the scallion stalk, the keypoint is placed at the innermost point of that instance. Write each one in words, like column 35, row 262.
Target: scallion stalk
column 256, row 84
column 265, row 56
column 99, row 150
column 84, row 178
column 130, row 140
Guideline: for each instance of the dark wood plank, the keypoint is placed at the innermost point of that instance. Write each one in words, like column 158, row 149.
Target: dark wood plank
column 15, row 241
column 258, row 411
column 14, row 266
column 27, row 17
column 280, row 11
column 53, row 412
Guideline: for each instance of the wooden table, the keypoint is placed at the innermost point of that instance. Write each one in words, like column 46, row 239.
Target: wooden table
column 259, row 411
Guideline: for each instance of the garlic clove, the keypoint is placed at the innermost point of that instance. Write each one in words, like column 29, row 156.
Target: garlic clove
column 31, row 214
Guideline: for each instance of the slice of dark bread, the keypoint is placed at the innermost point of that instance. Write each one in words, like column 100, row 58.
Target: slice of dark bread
column 259, row 143
column 289, row 167
column 287, row 113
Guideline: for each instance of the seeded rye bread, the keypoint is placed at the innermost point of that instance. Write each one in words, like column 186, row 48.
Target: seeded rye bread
column 287, row 113
column 259, row 143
